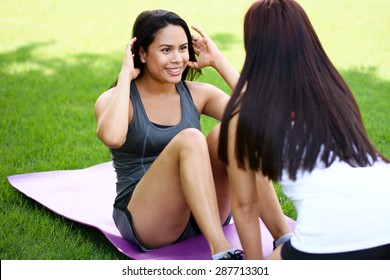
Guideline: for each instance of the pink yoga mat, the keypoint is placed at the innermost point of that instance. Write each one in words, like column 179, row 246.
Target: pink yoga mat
column 86, row 196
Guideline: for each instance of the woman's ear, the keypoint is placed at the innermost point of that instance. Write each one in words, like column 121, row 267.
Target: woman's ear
column 142, row 55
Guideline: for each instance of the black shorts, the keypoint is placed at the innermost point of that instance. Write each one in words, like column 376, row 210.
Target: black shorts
column 376, row 253
column 124, row 223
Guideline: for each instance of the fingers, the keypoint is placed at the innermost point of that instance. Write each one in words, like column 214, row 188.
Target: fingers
column 199, row 42
column 203, row 38
column 193, row 64
column 129, row 45
column 201, row 33
column 128, row 58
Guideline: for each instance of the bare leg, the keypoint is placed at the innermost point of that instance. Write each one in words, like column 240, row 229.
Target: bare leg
column 270, row 210
column 253, row 196
column 276, row 254
column 179, row 182
column 220, row 175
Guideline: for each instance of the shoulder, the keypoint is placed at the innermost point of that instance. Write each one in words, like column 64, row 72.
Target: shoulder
column 199, row 87
column 103, row 99
column 209, row 99
column 204, row 91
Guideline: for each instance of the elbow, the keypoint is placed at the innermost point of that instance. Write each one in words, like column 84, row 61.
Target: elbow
column 111, row 140
column 114, row 143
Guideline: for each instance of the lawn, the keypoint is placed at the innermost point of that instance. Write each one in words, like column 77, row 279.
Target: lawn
column 56, row 57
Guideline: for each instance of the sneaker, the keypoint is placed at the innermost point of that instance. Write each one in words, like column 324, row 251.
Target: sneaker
column 236, row 255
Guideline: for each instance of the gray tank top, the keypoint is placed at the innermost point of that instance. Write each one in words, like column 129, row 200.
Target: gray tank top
column 145, row 141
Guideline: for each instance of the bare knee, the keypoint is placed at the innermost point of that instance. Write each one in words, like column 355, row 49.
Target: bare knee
column 192, row 140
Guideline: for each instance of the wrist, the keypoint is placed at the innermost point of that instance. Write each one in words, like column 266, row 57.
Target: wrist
column 125, row 74
column 124, row 78
column 219, row 62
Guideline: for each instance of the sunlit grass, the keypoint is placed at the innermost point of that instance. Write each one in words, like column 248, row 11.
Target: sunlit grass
column 56, row 57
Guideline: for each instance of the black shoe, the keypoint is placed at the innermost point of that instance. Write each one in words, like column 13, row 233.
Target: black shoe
column 236, row 255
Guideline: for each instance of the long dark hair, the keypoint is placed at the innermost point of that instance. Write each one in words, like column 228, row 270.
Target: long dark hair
column 145, row 28
column 292, row 103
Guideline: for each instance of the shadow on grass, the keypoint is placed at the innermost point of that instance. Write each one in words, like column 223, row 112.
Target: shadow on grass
column 47, row 123
column 47, row 107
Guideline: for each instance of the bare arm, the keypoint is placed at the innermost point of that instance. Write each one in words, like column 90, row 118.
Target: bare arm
column 209, row 100
column 112, row 109
column 245, row 203
column 253, row 196
column 209, row 55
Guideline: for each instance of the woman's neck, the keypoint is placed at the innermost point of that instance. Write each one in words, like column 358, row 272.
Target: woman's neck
column 148, row 85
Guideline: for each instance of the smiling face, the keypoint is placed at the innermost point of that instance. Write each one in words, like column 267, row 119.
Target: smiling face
column 167, row 57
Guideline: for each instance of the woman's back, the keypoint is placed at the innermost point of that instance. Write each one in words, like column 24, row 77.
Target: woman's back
column 334, row 202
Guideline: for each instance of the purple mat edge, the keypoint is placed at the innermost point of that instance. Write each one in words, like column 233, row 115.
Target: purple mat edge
column 181, row 251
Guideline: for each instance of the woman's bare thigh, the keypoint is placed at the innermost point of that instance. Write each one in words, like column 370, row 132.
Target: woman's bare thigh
column 158, row 207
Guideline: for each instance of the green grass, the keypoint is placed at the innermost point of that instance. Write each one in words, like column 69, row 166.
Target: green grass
column 56, row 57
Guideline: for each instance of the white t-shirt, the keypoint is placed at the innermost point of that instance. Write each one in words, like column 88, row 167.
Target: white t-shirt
column 340, row 208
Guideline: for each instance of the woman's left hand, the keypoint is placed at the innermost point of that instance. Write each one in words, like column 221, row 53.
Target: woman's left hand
column 206, row 50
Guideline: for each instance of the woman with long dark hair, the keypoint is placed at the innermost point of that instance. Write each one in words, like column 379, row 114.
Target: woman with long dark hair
column 170, row 184
column 293, row 119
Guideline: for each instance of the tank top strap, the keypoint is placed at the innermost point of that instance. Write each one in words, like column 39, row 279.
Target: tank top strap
column 139, row 115
column 190, row 112
column 182, row 88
